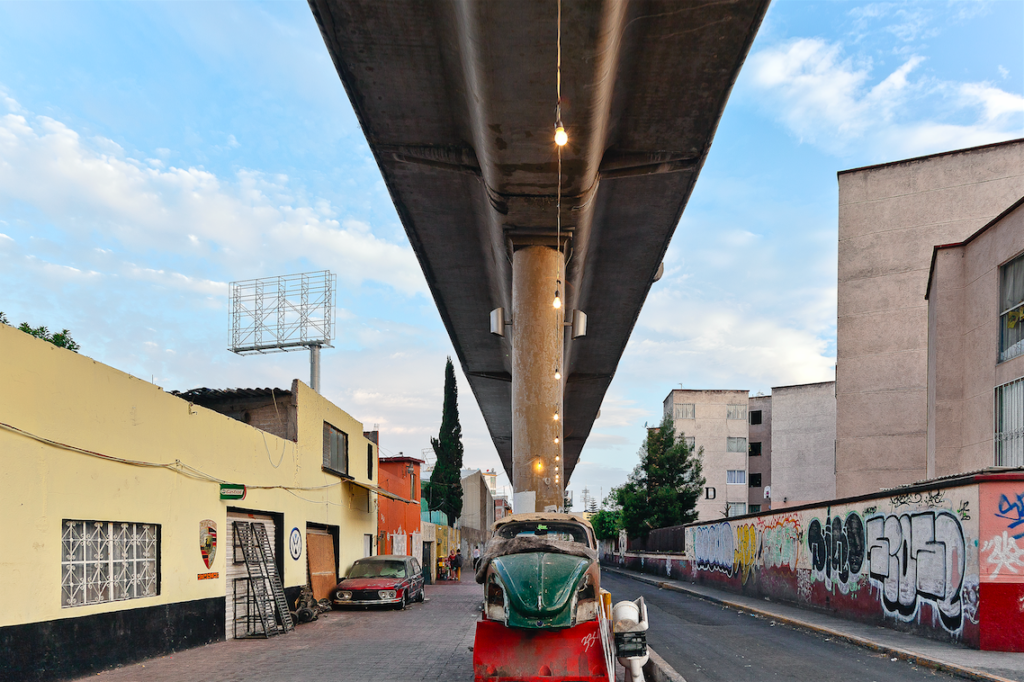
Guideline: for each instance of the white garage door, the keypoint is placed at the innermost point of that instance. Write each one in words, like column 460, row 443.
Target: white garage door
column 235, row 563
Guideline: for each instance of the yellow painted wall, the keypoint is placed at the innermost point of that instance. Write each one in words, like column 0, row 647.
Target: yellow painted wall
column 70, row 398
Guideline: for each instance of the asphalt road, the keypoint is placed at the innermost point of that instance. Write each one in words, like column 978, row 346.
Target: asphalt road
column 704, row 641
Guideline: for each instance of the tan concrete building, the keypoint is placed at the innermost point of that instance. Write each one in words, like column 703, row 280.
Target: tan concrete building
column 976, row 349
column 717, row 422
column 477, row 511
column 759, row 453
column 890, row 218
column 803, row 444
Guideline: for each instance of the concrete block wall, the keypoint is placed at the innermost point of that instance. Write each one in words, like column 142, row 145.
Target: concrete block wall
column 944, row 560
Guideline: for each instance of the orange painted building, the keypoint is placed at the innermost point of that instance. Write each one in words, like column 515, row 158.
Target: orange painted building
column 398, row 521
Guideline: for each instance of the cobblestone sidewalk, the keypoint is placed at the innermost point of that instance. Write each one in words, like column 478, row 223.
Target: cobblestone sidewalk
column 428, row 641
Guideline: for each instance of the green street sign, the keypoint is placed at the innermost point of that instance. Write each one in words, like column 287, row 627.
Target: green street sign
column 232, row 491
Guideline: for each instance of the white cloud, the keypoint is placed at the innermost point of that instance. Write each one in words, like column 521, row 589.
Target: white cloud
column 826, row 99
column 729, row 344
column 88, row 187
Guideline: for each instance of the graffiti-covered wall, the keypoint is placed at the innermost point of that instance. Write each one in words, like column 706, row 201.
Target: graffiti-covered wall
column 946, row 562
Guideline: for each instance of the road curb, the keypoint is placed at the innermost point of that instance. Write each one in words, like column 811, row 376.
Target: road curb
column 896, row 652
column 657, row 670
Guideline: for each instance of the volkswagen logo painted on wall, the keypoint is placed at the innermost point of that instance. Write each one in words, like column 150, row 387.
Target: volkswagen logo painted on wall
column 295, row 544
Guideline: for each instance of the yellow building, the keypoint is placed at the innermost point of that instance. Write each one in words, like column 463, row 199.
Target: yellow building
column 111, row 500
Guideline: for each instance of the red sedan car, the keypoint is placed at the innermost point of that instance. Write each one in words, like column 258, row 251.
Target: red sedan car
column 377, row 580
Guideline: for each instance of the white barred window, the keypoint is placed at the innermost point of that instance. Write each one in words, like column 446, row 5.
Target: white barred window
column 683, row 411
column 1010, row 424
column 736, row 476
column 103, row 561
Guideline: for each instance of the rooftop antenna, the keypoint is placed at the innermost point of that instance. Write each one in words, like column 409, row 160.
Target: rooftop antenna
column 284, row 313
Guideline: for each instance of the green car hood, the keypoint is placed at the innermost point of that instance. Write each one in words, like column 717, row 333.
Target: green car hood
column 539, row 587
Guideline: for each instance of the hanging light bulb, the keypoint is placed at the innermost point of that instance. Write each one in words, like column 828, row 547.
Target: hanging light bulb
column 556, row 416
column 556, row 441
column 560, row 137
column 558, row 300
column 557, row 458
column 558, row 375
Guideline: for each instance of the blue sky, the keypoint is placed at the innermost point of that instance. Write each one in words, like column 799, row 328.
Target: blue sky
column 152, row 152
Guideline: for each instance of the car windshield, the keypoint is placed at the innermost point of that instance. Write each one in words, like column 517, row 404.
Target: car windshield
column 567, row 532
column 378, row 569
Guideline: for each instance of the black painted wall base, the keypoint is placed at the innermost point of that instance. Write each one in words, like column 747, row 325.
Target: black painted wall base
column 72, row 647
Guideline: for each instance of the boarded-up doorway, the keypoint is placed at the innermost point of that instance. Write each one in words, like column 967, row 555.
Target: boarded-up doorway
column 323, row 575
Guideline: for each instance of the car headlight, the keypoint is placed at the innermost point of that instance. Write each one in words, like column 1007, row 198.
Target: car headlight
column 387, row 594
column 343, row 594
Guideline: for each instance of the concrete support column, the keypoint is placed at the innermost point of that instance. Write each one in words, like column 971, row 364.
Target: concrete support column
column 537, row 341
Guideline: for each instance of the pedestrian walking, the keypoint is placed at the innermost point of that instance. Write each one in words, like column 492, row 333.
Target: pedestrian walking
column 476, row 557
column 457, row 564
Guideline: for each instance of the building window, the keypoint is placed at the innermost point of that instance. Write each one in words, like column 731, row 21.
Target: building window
column 412, row 486
column 335, row 449
column 737, row 412
column 103, row 561
column 1011, row 303
column 369, row 461
column 1010, row 424
column 755, row 509
column 735, row 444
column 755, row 480
column 690, row 441
column 755, row 417
column 684, row 411
column 736, row 508
column 755, row 449
column 736, row 476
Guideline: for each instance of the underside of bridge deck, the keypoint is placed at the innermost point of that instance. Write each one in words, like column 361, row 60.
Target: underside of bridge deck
column 457, row 100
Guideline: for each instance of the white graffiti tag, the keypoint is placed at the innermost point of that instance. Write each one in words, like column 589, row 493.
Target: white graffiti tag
column 918, row 556
column 713, row 548
column 1004, row 554
column 589, row 641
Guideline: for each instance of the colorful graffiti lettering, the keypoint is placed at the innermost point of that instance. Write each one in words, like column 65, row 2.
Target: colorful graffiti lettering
column 915, row 557
column 837, row 547
column 713, row 548
column 746, row 550
column 780, row 541
column 1004, row 553
column 1013, row 511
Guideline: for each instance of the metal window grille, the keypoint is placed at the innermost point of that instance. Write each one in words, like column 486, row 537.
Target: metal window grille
column 103, row 561
column 737, row 412
column 684, row 411
column 755, row 450
column 735, row 444
column 1009, row 436
column 755, row 480
column 335, row 449
column 737, row 476
column 755, row 417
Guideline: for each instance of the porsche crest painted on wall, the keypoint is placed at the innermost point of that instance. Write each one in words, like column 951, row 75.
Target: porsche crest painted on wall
column 208, row 541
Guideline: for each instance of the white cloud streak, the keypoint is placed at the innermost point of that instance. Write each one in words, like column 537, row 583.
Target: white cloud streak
column 88, row 187
column 826, row 99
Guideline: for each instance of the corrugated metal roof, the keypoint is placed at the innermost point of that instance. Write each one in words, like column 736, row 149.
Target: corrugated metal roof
column 198, row 395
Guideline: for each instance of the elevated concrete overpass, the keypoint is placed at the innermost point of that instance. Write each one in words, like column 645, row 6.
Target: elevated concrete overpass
column 457, row 101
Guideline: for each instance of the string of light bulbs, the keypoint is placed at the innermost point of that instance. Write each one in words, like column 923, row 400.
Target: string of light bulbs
column 561, row 138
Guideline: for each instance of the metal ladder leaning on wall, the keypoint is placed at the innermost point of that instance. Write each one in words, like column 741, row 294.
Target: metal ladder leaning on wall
column 252, row 537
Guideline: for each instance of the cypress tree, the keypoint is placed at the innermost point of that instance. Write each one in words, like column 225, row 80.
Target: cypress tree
column 444, row 492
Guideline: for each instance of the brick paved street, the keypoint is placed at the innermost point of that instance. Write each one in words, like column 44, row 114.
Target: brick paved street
column 428, row 641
